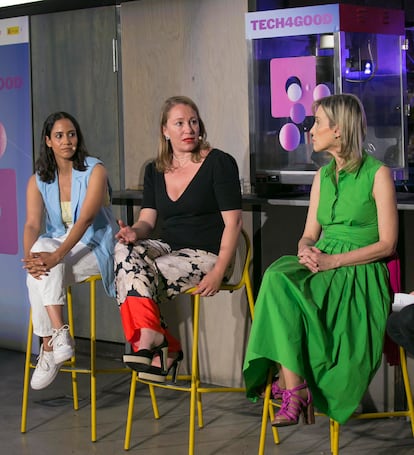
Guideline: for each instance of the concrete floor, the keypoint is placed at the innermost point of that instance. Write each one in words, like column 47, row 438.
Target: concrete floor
column 232, row 424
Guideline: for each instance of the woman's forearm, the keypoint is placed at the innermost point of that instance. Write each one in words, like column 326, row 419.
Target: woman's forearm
column 30, row 235
column 365, row 255
column 75, row 235
column 228, row 245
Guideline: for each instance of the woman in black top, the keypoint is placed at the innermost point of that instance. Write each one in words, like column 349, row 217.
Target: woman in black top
column 194, row 191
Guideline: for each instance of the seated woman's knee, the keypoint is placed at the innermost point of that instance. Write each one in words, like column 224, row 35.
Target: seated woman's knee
column 45, row 244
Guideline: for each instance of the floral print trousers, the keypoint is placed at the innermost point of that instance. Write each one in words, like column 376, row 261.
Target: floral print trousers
column 151, row 269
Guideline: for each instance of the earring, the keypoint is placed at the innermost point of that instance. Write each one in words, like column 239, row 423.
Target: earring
column 167, row 138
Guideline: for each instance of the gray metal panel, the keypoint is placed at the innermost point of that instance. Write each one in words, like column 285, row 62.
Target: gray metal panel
column 72, row 70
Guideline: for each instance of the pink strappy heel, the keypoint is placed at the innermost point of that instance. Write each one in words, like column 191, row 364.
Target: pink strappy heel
column 277, row 391
column 293, row 405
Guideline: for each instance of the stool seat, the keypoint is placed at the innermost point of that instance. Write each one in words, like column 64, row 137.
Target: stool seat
column 71, row 366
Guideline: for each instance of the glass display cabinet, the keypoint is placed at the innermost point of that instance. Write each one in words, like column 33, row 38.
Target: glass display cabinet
column 298, row 55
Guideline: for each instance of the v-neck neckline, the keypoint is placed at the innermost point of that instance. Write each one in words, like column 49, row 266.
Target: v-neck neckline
column 189, row 183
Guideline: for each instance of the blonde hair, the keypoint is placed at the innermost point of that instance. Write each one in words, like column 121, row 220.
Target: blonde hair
column 164, row 158
column 347, row 113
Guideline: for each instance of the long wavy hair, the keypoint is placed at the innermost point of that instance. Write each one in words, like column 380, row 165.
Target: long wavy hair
column 46, row 165
column 347, row 112
column 164, row 158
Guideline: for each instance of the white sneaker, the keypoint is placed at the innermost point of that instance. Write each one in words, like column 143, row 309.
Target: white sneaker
column 62, row 344
column 46, row 370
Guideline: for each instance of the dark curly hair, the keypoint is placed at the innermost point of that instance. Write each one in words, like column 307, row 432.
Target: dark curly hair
column 46, row 165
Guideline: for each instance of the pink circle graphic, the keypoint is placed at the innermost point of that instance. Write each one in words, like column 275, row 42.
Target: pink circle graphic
column 294, row 92
column 298, row 113
column 320, row 91
column 3, row 139
column 289, row 137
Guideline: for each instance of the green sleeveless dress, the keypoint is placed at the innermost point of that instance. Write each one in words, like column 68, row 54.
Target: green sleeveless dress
column 327, row 327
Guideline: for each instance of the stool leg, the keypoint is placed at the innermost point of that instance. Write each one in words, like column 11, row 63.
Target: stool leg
column 249, row 293
column 154, row 401
column 26, row 375
column 265, row 414
column 271, row 409
column 93, row 357
column 267, row 408
column 130, row 410
column 334, row 435
column 274, row 429
column 200, row 418
column 69, row 302
column 407, row 387
column 194, row 373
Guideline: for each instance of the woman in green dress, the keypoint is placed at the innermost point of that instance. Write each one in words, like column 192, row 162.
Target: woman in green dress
column 320, row 316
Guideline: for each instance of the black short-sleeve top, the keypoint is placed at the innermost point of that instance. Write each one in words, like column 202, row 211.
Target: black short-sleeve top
column 194, row 219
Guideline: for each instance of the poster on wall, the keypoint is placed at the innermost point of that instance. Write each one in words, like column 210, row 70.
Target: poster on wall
column 16, row 166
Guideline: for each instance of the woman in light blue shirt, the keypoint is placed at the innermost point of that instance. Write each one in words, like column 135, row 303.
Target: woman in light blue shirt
column 69, row 194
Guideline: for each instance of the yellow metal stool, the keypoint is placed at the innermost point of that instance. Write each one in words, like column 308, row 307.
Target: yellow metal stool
column 195, row 389
column 268, row 411
column 409, row 412
column 70, row 366
column 334, row 425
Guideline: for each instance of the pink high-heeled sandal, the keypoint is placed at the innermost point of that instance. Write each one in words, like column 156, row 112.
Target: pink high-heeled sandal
column 293, row 405
column 277, row 391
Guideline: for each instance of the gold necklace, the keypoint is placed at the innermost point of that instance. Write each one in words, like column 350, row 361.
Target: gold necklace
column 182, row 162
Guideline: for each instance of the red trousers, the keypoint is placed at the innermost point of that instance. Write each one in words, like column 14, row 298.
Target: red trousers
column 143, row 313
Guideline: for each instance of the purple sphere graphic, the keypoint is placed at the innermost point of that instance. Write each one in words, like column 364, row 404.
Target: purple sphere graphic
column 298, row 113
column 289, row 137
column 320, row 91
column 294, row 92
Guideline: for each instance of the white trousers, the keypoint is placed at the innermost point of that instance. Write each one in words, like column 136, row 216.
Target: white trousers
column 79, row 264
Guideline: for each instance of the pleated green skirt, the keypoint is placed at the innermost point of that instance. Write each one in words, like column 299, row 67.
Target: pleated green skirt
column 327, row 327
